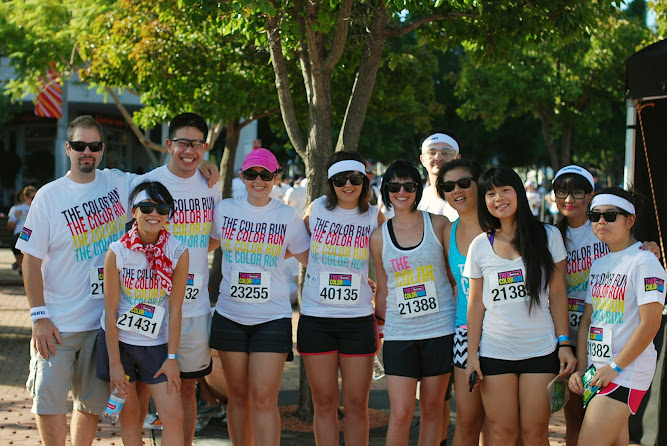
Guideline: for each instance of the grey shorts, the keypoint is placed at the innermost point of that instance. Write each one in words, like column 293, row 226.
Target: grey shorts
column 194, row 354
column 72, row 367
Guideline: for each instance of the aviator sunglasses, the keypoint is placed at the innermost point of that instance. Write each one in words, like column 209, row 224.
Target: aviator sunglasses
column 609, row 216
column 463, row 183
column 251, row 175
column 80, row 146
column 394, row 187
column 340, row 179
column 147, row 208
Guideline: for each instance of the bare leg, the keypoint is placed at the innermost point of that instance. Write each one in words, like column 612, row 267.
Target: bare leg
column 604, row 422
column 131, row 419
column 574, row 416
column 322, row 371
column 83, row 428
column 239, row 416
column 170, row 408
column 52, row 429
column 189, row 402
column 402, row 408
column 357, row 373
column 500, row 395
column 534, row 409
column 265, row 371
column 431, row 403
column 469, row 411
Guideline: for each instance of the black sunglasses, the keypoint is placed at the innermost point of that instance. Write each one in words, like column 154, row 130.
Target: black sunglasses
column 463, row 183
column 251, row 175
column 80, row 146
column 609, row 216
column 394, row 187
column 147, row 208
column 340, row 179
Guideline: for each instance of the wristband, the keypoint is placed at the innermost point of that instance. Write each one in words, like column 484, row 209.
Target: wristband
column 615, row 366
column 172, row 356
column 563, row 338
column 37, row 313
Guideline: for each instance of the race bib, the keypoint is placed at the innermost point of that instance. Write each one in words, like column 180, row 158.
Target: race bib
column 143, row 319
column 339, row 288
column 97, row 282
column 193, row 287
column 575, row 310
column 599, row 344
column 251, row 288
column 508, row 287
column 417, row 300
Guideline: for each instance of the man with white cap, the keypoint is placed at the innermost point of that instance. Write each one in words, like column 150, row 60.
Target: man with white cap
column 437, row 150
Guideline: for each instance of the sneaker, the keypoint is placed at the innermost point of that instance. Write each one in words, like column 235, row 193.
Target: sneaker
column 15, row 266
column 152, row 421
column 201, row 422
column 210, row 410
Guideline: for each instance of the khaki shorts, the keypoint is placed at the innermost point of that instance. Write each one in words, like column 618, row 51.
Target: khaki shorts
column 72, row 367
column 194, row 354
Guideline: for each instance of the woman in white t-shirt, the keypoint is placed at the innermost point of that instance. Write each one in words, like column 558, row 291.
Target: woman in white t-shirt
column 17, row 215
column 414, row 297
column 337, row 328
column 517, row 311
column 622, row 315
column 252, row 323
column 145, row 275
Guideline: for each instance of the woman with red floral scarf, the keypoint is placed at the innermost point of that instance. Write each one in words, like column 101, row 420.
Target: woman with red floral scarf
column 145, row 279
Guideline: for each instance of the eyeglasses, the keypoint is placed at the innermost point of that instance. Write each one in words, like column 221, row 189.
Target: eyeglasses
column 184, row 143
column 463, row 183
column 394, row 187
column 445, row 154
column 147, row 208
column 576, row 194
column 251, row 175
column 340, row 179
column 609, row 216
column 80, row 146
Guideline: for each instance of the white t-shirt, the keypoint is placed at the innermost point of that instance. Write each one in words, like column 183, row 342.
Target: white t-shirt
column 339, row 252
column 619, row 283
column 430, row 202
column 296, row 196
column 17, row 215
column 278, row 191
column 583, row 248
column 139, row 285
column 70, row 227
column 191, row 224
column 254, row 240
column 509, row 330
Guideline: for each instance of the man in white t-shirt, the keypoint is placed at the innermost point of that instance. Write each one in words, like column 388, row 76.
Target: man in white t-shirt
column 296, row 196
column 437, row 150
column 71, row 223
column 191, row 224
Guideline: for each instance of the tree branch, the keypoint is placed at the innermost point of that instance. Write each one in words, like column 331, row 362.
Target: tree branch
column 342, row 29
column 398, row 32
column 261, row 115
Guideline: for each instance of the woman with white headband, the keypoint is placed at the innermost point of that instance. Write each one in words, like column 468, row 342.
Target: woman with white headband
column 622, row 315
column 145, row 278
column 573, row 188
column 337, row 329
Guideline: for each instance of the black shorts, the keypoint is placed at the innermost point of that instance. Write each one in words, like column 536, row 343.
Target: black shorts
column 140, row 362
column 15, row 238
column 270, row 337
column 542, row 364
column 420, row 358
column 346, row 336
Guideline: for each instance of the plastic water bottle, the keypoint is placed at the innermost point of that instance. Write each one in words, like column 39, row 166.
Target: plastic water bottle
column 114, row 405
column 378, row 369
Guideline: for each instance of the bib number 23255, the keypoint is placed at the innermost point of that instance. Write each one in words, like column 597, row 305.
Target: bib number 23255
column 250, row 287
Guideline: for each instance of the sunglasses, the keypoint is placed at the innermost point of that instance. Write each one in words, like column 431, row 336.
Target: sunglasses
column 394, row 187
column 576, row 194
column 251, row 175
column 80, row 146
column 463, row 183
column 147, row 208
column 340, row 179
column 609, row 216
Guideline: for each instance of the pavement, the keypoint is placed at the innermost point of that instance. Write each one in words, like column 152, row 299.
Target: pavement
column 17, row 424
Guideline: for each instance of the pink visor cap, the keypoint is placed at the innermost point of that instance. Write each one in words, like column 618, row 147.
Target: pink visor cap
column 261, row 158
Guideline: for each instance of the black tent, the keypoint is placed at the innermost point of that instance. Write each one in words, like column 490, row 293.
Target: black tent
column 646, row 84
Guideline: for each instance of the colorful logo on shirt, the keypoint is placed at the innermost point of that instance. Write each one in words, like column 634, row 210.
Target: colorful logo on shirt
column 250, row 279
column 191, row 280
column 654, row 284
column 253, row 243
column 595, row 334
column 25, row 234
column 575, row 305
column 508, row 277
column 100, row 273
column 412, row 292
column 335, row 244
column 192, row 221
column 340, row 279
column 143, row 310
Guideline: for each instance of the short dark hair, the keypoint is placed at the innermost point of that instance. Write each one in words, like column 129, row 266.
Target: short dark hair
column 157, row 192
column 630, row 195
column 84, row 122
column 331, row 197
column 473, row 167
column 188, row 120
column 401, row 169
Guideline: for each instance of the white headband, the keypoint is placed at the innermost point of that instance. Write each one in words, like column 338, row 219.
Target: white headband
column 440, row 138
column 141, row 196
column 579, row 171
column 613, row 200
column 346, row 166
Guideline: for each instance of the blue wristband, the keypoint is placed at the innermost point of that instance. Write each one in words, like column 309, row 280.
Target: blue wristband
column 172, row 356
column 615, row 366
column 563, row 338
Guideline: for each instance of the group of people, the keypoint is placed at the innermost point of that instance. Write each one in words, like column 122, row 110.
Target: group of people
column 466, row 280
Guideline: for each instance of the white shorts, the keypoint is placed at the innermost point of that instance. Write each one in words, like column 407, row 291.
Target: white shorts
column 194, row 354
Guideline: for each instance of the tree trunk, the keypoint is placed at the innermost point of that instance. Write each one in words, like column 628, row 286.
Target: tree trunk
column 565, row 146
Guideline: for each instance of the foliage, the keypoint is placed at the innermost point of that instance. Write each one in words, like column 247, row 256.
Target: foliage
column 660, row 9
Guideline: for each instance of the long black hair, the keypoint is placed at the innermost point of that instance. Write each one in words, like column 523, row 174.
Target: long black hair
column 157, row 192
column 530, row 240
column 332, row 199
column 401, row 170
